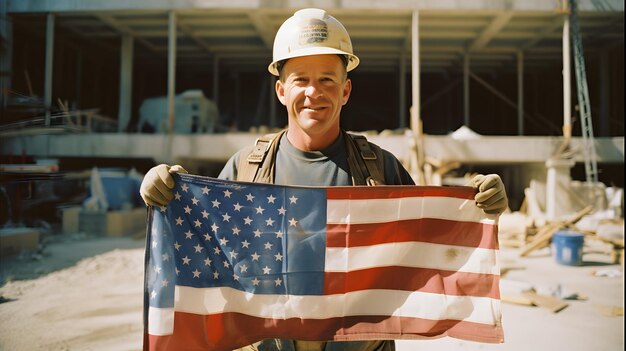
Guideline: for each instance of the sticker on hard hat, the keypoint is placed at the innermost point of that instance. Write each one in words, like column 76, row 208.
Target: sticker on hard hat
column 313, row 31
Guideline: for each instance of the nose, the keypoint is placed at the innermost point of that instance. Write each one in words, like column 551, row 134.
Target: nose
column 312, row 91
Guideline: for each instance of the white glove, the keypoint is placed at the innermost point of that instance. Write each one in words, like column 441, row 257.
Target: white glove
column 156, row 187
column 491, row 196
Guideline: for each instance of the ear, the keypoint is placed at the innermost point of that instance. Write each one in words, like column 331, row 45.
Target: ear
column 280, row 91
column 347, row 89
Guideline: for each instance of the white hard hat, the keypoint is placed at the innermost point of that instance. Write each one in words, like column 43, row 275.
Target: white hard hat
column 312, row 32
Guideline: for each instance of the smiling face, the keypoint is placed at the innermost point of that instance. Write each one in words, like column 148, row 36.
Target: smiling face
column 313, row 89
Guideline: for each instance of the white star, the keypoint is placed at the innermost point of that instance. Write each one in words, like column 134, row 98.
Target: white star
column 223, row 241
column 293, row 199
column 255, row 281
column 269, row 222
column 157, row 269
column 177, row 270
column 187, row 209
column 198, row 248
column 177, row 246
column 293, row 222
column 197, row 223
column 255, row 256
column 268, row 245
column 257, row 233
column 245, row 244
column 216, row 203
column 185, row 187
column 237, row 207
column 278, row 281
column 196, row 273
column 207, row 262
column 233, row 254
column 247, row 220
column 270, row 199
column 154, row 243
column 163, row 208
column 179, row 221
column 235, row 277
column 205, row 214
column 207, row 236
column 217, row 250
column 250, row 197
column 186, row 260
column 188, row 234
column 236, row 231
column 216, row 275
column 165, row 257
column 164, row 282
column 205, row 190
column 226, row 217
column 278, row 257
column 195, row 201
column 279, row 234
column 177, row 196
column 259, row 210
column 226, row 264
column 214, row 228
column 152, row 294
column 266, row 270
column 243, row 268
column 282, row 211
column 227, row 193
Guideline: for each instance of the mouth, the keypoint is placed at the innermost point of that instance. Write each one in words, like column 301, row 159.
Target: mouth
column 313, row 108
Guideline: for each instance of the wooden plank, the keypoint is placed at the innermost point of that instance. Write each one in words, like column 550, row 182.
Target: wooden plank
column 545, row 301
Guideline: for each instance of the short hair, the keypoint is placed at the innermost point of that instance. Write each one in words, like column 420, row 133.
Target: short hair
column 281, row 64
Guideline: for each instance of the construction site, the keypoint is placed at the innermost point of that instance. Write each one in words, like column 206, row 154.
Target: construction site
column 96, row 93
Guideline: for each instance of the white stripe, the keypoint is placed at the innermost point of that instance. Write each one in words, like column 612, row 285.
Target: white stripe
column 160, row 321
column 204, row 301
column 413, row 254
column 388, row 210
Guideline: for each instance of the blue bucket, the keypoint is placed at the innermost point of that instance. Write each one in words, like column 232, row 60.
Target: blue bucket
column 567, row 247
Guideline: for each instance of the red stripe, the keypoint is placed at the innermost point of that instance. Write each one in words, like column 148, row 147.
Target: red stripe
column 397, row 191
column 413, row 279
column 229, row 331
column 429, row 230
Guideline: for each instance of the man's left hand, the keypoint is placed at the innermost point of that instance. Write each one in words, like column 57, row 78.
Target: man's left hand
column 491, row 196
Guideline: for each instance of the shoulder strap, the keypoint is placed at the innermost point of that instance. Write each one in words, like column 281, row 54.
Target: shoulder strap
column 254, row 165
column 365, row 160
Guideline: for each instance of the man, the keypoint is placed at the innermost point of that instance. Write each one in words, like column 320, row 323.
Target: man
column 312, row 56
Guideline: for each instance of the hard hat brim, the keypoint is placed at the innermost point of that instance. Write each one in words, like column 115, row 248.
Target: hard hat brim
column 353, row 60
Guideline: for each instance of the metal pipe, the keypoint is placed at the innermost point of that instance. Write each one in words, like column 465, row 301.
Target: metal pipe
column 47, row 91
column 126, row 83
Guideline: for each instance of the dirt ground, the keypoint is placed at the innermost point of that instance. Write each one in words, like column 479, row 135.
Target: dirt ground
column 85, row 293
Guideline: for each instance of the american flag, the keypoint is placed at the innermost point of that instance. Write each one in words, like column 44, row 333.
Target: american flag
column 230, row 263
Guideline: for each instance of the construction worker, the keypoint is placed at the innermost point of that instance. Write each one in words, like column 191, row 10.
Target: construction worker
column 312, row 56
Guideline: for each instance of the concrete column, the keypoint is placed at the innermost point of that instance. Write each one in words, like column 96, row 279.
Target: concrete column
column 520, row 93
column 567, row 82
column 557, row 184
column 216, row 79
column 466, row 95
column 126, row 83
column 402, row 89
column 171, row 71
column 47, row 90
column 605, row 93
column 6, row 55
column 272, row 102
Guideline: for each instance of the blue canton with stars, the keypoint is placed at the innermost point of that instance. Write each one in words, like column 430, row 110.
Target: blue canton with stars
column 258, row 238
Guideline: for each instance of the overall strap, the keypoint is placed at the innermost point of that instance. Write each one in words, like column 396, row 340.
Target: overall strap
column 365, row 161
column 258, row 164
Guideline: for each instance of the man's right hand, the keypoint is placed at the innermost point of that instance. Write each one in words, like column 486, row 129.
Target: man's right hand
column 156, row 187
